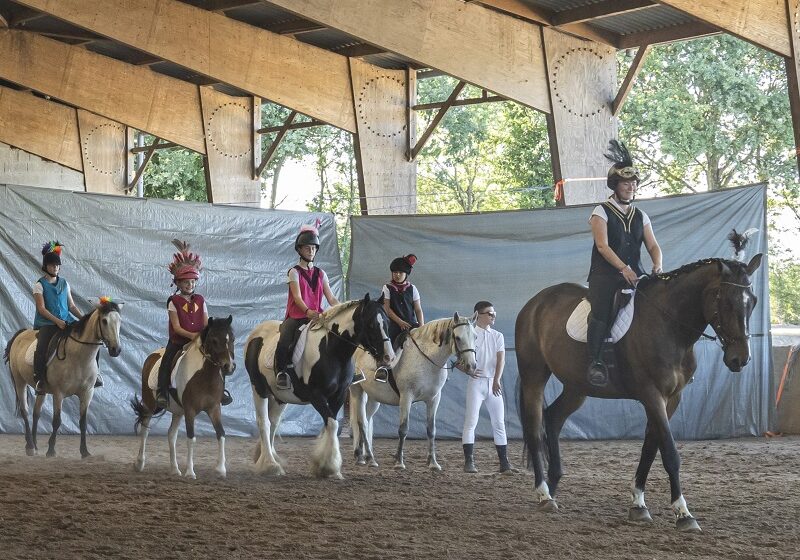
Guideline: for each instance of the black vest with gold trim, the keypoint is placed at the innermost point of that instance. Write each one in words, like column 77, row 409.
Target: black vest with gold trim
column 625, row 237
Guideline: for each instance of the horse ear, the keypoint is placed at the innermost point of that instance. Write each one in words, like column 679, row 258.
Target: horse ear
column 210, row 320
column 456, row 318
column 754, row 263
column 381, row 299
column 229, row 320
column 366, row 297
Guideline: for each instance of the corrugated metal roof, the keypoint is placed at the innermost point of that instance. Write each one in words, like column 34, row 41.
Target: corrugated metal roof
column 643, row 20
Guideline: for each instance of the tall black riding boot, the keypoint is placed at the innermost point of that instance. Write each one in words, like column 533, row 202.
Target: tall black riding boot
column 469, row 460
column 596, row 340
column 502, row 454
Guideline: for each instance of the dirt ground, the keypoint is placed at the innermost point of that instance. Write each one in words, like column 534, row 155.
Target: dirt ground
column 745, row 494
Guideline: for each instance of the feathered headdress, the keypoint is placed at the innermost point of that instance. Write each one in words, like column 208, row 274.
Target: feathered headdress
column 739, row 242
column 51, row 253
column 622, row 167
column 185, row 265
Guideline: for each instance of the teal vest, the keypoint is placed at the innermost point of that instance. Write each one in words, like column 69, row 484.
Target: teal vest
column 55, row 301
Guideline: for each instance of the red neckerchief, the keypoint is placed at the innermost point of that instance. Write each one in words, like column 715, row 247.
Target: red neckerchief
column 400, row 288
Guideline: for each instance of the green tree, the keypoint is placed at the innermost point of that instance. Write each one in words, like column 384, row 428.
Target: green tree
column 784, row 287
column 176, row 174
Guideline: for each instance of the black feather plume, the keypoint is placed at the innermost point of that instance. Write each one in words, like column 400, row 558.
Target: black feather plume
column 618, row 154
column 739, row 241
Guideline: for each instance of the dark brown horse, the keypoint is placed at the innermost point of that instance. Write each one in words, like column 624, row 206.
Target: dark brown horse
column 655, row 362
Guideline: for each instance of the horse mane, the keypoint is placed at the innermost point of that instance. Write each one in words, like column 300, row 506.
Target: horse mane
column 78, row 327
column 336, row 309
column 438, row 330
column 690, row 267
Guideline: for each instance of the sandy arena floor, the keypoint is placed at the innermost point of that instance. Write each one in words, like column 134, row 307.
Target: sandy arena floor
column 745, row 494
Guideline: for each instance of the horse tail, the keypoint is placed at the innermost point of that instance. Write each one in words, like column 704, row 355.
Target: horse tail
column 7, row 353
column 252, row 352
column 142, row 412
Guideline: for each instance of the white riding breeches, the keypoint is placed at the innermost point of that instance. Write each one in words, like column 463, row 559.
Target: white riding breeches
column 480, row 391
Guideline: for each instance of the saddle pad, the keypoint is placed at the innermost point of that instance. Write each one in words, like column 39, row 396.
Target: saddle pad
column 577, row 323
column 32, row 350
column 301, row 344
column 152, row 380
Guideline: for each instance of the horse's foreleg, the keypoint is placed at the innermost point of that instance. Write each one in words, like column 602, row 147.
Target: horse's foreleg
column 657, row 414
column 638, row 511
column 21, row 393
column 85, row 400
column 172, row 438
column 265, row 459
column 357, row 408
column 190, row 441
column 433, row 405
column 37, row 413
column 326, row 458
column 145, row 431
column 216, row 420
column 554, row 417
column 402, row 431
column 51, row 444
column 372, row 407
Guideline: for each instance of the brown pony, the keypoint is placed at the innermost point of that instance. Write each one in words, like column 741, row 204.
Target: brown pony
column 198, row 380
column 655, row 362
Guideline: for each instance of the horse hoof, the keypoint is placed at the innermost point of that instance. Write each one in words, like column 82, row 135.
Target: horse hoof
column 373, row 463
column 85, row 455
column 400, row 466
column 173, row 472
column 361, row 462
column 51, row 452
column 273, row 469
column 30, row 452
column 435, row 467
column 190, row 476
column 639, row 515
column 688, row 525
column 138, row 466
column 547, row 506
column 222, row 474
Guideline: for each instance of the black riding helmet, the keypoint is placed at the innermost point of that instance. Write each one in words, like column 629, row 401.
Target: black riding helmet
column 403, row 264
column 51, row 254
column 622, row 168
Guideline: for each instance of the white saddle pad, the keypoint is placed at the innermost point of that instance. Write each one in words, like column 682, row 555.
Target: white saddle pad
column 301, row 344
column 577, row 323
column 31, row 351
column 152, row 380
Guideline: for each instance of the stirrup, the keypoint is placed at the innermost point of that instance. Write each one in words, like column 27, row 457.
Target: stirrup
column 40, row 387
column 598, row 375
column 283, row 381
column 226, row 398
column 382, row 374
column 358, row 377
column 99, row 381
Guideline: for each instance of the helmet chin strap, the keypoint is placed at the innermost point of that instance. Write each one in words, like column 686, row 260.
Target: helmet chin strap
column 623, row 201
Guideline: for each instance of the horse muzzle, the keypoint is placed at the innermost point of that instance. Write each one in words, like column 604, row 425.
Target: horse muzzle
column 228, row 368
column 114, row 351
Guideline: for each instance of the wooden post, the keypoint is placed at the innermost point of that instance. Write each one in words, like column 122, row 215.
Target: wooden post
column 582, row 81
column 793, row 72
column 381, row 103
column 229, row 126
column 105, row 154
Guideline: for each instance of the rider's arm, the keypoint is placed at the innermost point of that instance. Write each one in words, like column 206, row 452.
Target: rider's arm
column 418, row 313
column 39, row 299
column 71, row 304
column 176, row 326
column 326, row 289
column 652, row 247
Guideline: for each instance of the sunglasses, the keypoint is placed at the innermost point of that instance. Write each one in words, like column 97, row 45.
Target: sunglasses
column 489, row 313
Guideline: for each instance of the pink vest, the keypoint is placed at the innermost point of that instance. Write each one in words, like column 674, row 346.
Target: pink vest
column 310, row 292
column 190, row 316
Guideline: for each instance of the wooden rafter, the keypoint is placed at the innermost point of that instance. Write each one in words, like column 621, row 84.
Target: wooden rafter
column 293, row 126
column 270, row 153
column 627, row 83
column 161, row 146
column 437, row 119
column 460, row 102
column 148, row 153
column 600, row 10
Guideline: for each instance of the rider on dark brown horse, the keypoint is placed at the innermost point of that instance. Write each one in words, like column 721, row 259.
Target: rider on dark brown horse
column 618, row 229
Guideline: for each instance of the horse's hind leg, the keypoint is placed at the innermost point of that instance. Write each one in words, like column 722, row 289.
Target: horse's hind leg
column 191, row 440
column 265, row 459
column 372, row 407
column 172, row 438
column 21, row 392
column 86, row 400
column 51, row 444
column 433, row 405
column 554, row 417
column 216, row 420
column 531, row 400
column 402, row 431
column 37, row 413
column 357, row 408
column 141, row 458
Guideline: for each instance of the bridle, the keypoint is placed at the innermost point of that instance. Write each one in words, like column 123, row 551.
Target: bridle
column 209, row 358
column 716, row 320
column 360, row 344
column 458, row 351
column 61, row 350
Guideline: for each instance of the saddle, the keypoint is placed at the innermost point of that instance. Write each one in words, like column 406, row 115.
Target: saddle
column 622, row 315
column 152, row 380
column 52, row 347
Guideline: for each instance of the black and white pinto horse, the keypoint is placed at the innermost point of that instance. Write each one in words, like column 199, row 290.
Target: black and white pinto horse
column 324, row 371
column 418, row 375
column 72, row 369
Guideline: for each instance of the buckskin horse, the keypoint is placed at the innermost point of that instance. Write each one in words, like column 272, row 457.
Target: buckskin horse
column 72, row 369
column 198, row 381
column 418, row 375
column 324, row 371
column 655, row 360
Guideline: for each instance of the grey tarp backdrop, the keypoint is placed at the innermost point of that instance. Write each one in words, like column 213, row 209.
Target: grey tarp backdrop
column 120, row 246
column 507, row 257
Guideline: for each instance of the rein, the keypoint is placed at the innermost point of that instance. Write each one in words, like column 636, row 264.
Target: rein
column 368, row 348
column 455, row 343
column 61, row 347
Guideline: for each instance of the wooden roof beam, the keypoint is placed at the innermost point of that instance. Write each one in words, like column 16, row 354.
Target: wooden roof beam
column 627, row 83
column 599, row 10
column 761, row 22
column 313, row 81
column 135, row 96
column 468, row 41
column 667, row 35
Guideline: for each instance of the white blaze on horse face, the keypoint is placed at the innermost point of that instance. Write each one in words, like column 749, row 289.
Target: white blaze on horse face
column 387, row 344
column 109, row 327
column 542, row 492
